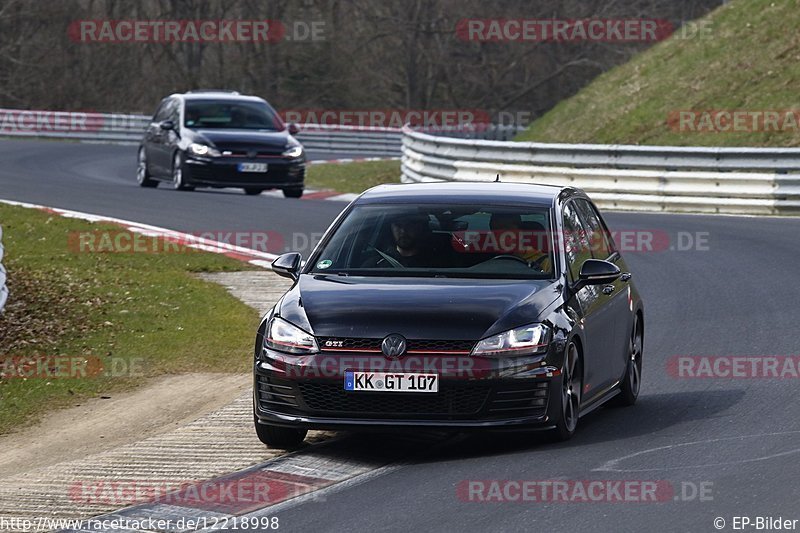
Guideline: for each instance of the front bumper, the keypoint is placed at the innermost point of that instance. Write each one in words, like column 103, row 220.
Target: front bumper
column 308, row 392
column 223, row 172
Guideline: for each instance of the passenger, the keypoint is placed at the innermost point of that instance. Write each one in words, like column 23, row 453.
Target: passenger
column 505, row 222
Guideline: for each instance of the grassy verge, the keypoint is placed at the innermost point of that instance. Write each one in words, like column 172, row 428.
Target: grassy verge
column 101, row 322
column 748, row 60
column 352, row 177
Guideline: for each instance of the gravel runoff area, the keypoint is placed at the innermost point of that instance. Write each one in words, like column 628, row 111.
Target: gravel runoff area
column 65, row 468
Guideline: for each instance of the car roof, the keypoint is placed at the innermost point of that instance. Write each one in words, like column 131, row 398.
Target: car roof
column 218, row 95
column 465, row 192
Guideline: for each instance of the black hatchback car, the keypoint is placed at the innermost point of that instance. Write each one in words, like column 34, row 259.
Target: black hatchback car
column 221, row 139
column 457, row 305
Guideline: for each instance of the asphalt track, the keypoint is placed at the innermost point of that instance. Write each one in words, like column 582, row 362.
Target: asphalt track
column 738, row 438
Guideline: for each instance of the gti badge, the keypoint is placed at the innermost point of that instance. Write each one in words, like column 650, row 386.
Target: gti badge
column 393, row 345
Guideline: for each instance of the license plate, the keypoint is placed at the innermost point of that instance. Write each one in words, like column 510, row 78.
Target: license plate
column 252, row 167
column 390, row 382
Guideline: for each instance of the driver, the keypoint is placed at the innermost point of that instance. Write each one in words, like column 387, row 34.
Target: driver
column 411, row 244
column 501, row 223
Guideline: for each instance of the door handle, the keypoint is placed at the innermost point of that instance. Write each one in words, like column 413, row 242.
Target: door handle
column 626, row 276
column 608, row 289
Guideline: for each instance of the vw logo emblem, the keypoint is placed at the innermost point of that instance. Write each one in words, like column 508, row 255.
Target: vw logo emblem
column 393, row 345
column 252, row 154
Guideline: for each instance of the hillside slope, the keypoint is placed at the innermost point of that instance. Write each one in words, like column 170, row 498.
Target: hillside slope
column 748, row 61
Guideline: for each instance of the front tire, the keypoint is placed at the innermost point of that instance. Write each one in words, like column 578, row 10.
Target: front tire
column 631, row 384
column 251, row 191
column 293, row 193
column 279, row 437
column 178, row 180
column 571, row 387
column 143, row 177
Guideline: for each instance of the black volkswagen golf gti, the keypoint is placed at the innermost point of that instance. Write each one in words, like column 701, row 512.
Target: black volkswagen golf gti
column 458, row 305
column 221, row 139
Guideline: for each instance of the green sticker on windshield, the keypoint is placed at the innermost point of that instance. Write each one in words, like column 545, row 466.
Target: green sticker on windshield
column 324, row 264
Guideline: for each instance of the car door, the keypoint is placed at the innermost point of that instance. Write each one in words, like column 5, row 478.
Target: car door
column 616, row 294
column 159, row 157
column 597, row 317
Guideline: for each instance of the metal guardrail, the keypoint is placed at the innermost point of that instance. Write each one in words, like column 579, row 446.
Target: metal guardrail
column 759, row 181
column 3, row 288
column 129, row 129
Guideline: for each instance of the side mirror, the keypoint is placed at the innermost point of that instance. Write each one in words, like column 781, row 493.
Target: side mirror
column 294, row 129
column 288, row 265
column 167, row 125
column 597, row 272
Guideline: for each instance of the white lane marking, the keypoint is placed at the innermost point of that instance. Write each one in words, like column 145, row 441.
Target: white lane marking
column 262, row 259
column 611, row 466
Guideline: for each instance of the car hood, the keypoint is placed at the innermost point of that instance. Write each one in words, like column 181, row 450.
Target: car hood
column 223, row 139
column 418, row 308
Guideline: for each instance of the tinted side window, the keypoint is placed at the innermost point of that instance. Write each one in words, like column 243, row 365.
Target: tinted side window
column 576, row 240
column 174, row 111
column 599, row 238
column 163, row 111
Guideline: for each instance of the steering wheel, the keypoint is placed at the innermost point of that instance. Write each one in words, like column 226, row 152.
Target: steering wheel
column 389, row 259
column 509, row 256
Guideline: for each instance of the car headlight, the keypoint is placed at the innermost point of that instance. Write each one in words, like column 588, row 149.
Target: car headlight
column 527, row 340
column 284, row 336
column 203, row 150
column 293, row 151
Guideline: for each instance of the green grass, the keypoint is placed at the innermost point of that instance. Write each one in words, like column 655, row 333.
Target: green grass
column 112, row 309
column 352, row 177
column 750, row 61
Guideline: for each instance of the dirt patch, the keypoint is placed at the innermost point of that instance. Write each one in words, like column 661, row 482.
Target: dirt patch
column 41, row 312
column 99, row 424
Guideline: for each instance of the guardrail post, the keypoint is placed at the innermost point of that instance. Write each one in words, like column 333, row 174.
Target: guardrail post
column 3, row 287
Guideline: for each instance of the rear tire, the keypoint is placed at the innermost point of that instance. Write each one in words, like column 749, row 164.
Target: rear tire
column 571, row 387
column 632, row 383
column 293, row 193
column 250, row 191
column 280, row 437
column 143, row 172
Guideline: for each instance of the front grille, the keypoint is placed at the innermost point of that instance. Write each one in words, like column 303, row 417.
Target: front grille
column 275, row 395
column 353, row 344
column 244, row 149
column 412, row 345
column 220, row 172
column 439, row 346
column 447, row 402
column 520, row 400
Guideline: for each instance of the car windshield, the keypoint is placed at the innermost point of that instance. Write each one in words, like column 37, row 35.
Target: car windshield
column 231, row 115
column 441, row 240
